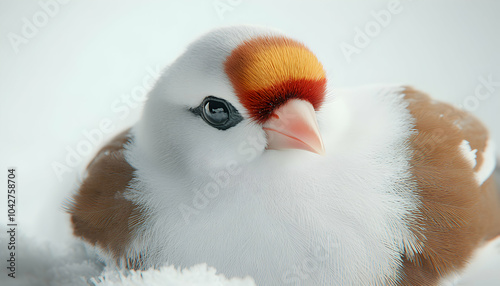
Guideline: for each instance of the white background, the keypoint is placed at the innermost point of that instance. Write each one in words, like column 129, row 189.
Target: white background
column 90, row 55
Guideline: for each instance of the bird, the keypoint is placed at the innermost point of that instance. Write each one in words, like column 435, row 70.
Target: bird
column 247, row 158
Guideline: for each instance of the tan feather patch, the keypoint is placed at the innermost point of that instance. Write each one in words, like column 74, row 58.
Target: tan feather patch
column 457, row 215
column 100, row 214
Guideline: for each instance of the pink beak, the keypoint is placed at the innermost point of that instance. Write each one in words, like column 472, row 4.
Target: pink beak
column 294, row 126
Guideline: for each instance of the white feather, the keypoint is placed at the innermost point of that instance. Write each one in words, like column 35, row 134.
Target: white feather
column 468, row 153
column 489, row 163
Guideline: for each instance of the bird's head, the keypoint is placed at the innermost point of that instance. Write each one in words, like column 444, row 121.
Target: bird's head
column 235, row 94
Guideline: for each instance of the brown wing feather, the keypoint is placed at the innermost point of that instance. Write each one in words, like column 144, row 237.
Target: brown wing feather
column 100, row 214
column 457, row 215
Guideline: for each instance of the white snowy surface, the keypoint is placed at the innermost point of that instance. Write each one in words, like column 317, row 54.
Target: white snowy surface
column 42, row 264
column 80, row 68
column 198, row 275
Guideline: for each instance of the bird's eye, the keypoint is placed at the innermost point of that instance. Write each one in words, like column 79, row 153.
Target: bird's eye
column 218, row 113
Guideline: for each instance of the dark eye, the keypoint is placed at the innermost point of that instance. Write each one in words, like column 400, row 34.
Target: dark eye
column 218, row 113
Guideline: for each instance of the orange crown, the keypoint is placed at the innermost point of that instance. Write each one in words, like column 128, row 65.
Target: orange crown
column 267, row 71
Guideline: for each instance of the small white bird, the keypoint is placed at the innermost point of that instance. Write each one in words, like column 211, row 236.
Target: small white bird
column 245, row 159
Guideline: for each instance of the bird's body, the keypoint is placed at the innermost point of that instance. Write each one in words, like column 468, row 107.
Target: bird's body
column 401, row 194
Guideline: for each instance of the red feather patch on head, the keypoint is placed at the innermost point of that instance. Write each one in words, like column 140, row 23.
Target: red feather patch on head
column 261, row 103
column 267, row 71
